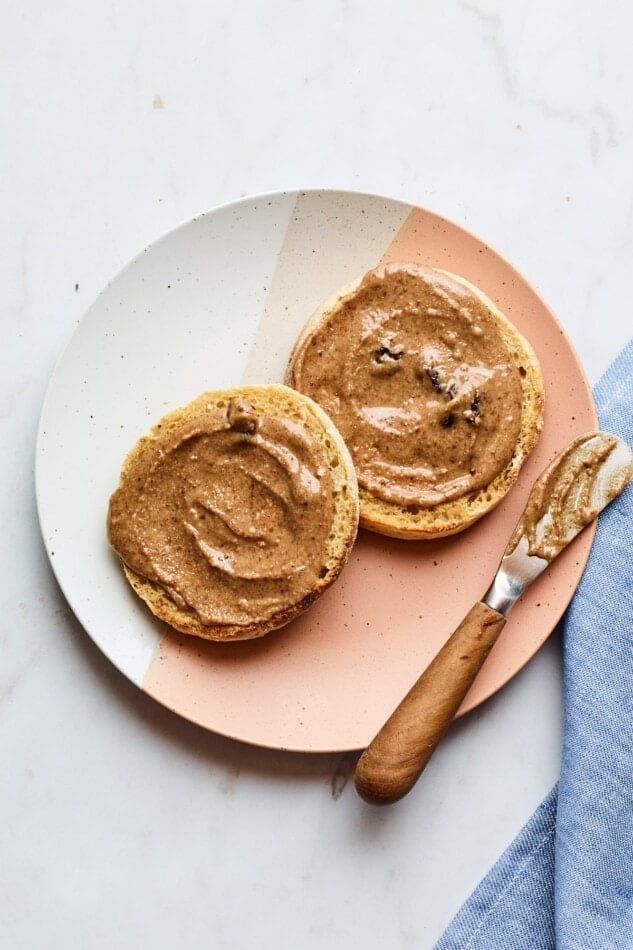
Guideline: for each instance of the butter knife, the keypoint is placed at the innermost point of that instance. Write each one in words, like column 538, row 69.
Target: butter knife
column 567, row 496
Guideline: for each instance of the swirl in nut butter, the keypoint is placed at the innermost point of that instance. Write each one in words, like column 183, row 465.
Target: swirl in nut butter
column 229, row 514
column 416, row 376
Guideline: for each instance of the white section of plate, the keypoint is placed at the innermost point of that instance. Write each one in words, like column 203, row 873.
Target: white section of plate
column 177, row 320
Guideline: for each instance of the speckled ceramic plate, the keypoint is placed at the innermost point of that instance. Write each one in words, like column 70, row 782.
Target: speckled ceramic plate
column 218, row 302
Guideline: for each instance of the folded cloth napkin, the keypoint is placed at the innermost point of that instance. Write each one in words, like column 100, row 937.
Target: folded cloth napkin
column 567, row 880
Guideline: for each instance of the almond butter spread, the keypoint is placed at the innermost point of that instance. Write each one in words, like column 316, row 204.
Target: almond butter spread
column 229, row 513
column 570, row 493
column 415, row 374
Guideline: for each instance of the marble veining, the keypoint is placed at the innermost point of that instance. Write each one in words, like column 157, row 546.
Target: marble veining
column 597, row 123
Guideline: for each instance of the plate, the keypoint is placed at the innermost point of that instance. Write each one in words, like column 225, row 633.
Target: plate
column 218, row 302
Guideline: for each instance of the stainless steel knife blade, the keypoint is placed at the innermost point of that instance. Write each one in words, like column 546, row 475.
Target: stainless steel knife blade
column 567, row 496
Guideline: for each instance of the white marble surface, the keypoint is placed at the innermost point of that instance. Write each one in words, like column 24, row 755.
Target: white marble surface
column 123, row 826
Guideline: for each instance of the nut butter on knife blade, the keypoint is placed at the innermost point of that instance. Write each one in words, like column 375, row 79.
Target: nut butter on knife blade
column 568, row 495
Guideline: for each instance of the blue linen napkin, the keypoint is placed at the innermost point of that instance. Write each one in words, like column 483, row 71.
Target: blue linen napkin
column 567, row 880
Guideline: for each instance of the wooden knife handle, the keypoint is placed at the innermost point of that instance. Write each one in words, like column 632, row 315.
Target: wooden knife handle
column 392, row 763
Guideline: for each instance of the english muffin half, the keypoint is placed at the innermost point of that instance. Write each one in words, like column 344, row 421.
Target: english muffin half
column 235, row 512
column 437, row 395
